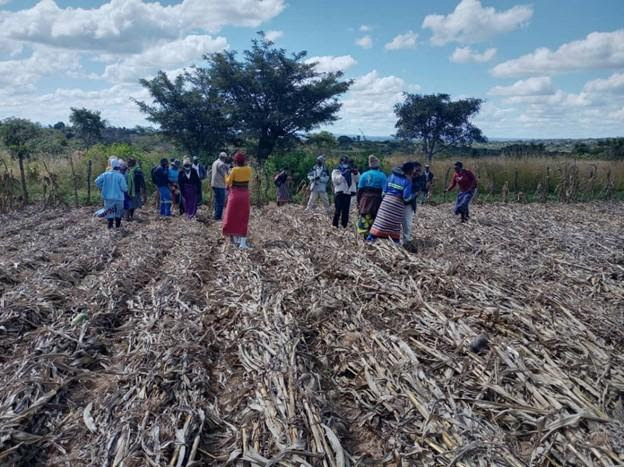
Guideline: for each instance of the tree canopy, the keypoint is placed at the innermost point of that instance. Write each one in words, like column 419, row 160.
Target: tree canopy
column 88, row 124
column 437, row 121
column 266, row 96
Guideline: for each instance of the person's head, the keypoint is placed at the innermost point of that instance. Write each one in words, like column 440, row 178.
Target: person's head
column 408, row 169
column 459, row 167
column 195, row 160
column 187, row 164
column 176, row 163
column 223, row 157
column 373, row 162
column 239, row 159
column 426, row 167
column 111, row 160
column 164, row 163
column 116, row 164
column 417, row 168
column 131, row 163
column 320, row 160
column 344, row 160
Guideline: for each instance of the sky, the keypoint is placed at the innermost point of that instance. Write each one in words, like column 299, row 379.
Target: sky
column 545, row 69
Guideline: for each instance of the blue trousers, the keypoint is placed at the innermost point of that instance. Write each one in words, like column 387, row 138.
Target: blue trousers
column 463, row 202
column 165, row 200
column 219, row 202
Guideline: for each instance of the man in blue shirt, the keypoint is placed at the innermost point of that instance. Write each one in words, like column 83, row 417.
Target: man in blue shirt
column 113, row 185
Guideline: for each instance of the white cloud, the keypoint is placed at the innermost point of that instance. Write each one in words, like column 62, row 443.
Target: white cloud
column 4, row 2
column 618, row 115
column 329, row 63
column 165, row 55
column 614, row 84
column 366, row 42
column 538, row 86
column 365, row 28
column 369, row 104
column 129, row 26
column 467, row 55
column 470, row 22
column 598, row 50
column 403, row 41
column 273, row 35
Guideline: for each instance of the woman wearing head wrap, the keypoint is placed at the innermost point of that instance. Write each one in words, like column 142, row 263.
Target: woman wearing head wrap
column 398, row 192
column 369, row 194
column 236, row 217
column 190, row 184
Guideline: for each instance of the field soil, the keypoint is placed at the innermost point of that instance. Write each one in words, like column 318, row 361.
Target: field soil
column 161, row 344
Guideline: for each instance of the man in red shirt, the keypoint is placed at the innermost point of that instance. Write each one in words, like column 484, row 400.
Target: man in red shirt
column 467, row 183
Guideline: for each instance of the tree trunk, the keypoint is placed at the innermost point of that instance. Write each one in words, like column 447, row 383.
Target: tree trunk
column 23, row 179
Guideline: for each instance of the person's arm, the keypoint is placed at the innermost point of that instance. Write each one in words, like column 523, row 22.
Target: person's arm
column 408, row 193
column 324, row 178
column 453, row 183
column 229, row 178
column 99, row 181
column 123, row 184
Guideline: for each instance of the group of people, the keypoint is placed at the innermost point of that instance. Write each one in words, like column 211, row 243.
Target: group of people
column 386, row 205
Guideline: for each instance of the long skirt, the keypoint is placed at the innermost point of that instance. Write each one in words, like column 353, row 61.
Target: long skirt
column 190, row 195
column 136, row 202
column 283, row 194
column 389, row 218
column 236, row 217
column 369, row 201
column 463, row 202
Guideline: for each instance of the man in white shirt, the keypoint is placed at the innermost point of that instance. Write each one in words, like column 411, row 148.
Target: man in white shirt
column 220, row 170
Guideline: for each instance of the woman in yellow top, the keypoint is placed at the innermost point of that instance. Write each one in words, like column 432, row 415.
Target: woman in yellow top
column 236, row 217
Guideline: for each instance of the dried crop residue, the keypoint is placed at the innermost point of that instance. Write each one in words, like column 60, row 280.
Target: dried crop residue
column 163, row 345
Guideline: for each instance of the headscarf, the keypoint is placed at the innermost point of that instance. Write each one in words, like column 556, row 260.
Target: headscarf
column 115, row 164
column 239, row 158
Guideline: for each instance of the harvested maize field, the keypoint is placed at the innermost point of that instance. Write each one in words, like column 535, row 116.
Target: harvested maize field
column 497, row 342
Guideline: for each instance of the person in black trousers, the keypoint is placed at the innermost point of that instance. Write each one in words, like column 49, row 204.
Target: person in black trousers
column 341, row 179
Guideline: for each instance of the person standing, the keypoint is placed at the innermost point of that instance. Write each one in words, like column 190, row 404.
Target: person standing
column 371, row 186
column 220, row 170
column 173, row 174
column 137, row 192
column 236, row 219
column 342, row 179
column 201, row 173
column 113, row 186
column 467, row 183
column 355, row 179
column 282, row 181
column 418, row 185
column 189, row 184
column 428, row 182
column 318, row 177
column 390, row 216
column 160, row 177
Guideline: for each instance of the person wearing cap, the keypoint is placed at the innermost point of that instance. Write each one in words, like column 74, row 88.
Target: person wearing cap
column 341, row 180
column 160, row 177
column 220, row 169
column 467, row 183
column 370, row 190
column 398, row 192
column 190, row 185
column 113, row 186
column 318, row 177
column 236, row 219
column 137, row 192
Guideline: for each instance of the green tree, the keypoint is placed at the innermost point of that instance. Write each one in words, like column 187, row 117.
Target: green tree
column 190, row 110
column 88, row 125
column 323, row 140
column 437, row 122
column 20, row 136
column 274, row 95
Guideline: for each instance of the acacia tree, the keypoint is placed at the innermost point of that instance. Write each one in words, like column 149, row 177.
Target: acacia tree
column 190, row 110
column 19, row 136
column 88, row 125
column 275, row 95
column 437, row 122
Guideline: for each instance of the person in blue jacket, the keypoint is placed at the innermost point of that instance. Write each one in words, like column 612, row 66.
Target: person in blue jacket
column 397, row 194
column 370, row 191
column 160, row 177
column 113, row 186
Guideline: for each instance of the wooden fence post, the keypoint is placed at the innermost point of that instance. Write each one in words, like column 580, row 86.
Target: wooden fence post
column 74, row 179
column 89, row 164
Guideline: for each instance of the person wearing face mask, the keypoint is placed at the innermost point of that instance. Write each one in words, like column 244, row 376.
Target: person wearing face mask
column 190, row 184
column 467, row 183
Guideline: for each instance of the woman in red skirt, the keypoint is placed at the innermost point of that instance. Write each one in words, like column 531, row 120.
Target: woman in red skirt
column 236, row 217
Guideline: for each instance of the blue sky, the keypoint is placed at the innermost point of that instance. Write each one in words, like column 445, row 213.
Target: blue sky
column 546, row 69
